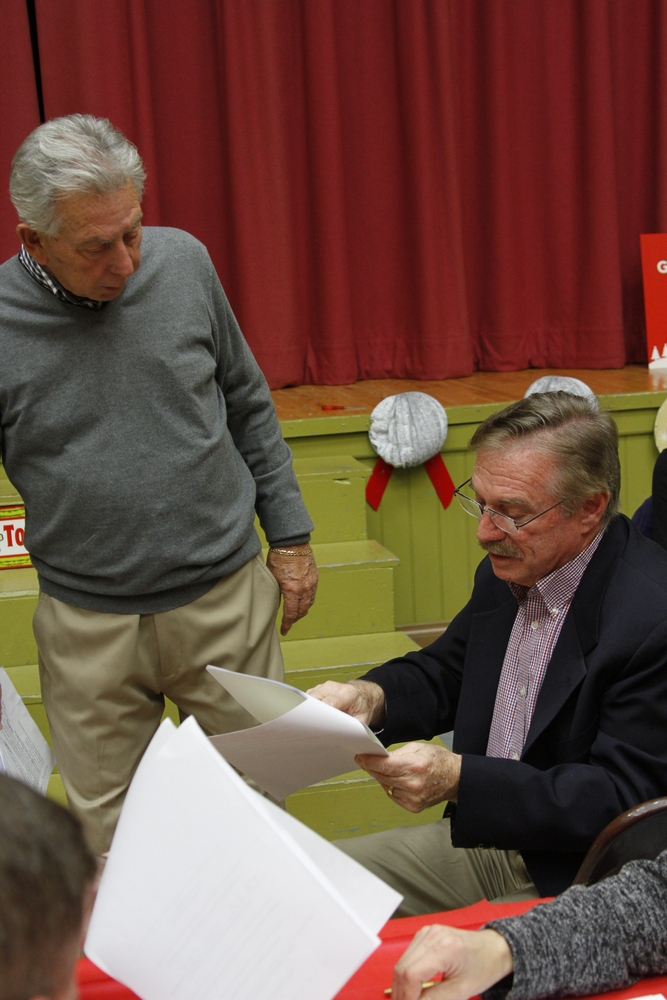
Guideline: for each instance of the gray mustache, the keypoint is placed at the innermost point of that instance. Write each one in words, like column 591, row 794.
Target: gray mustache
column 503, row 548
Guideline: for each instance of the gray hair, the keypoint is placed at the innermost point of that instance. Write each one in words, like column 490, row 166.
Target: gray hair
column 65, row 156
column 583, row 441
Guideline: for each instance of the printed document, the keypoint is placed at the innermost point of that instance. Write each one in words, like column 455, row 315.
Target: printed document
column 300, row 740
column 24, row 753
column 212, row 892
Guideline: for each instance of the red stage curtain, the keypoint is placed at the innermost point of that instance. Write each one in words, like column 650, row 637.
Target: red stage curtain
column 19, row 112
column 562, row 150
column 404, row 188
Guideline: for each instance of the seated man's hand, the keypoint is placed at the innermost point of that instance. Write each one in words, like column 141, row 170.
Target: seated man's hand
column 297, row 579
column 470, row 961
column 362, row 699
column 417, row 775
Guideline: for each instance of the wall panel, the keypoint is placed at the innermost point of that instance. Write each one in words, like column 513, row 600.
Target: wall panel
column 437, row 548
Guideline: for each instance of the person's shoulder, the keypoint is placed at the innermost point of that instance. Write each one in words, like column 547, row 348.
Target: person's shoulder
column 640, row 557
column 10, row 271
column 165, row 244
column 18, row 290
column 169, row 236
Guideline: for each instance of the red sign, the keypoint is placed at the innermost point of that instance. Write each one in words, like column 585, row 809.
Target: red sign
column 654, row 269
column 13, row 553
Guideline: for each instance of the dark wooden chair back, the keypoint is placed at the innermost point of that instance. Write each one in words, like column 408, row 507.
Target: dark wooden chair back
column 640, row 832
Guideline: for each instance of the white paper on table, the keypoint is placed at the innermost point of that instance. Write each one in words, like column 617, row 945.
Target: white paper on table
column 24, row 753
column 211, row 891
column 299, row 741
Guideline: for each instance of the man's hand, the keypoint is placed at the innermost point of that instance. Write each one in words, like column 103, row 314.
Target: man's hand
column 470, row 961
column 362, row 699
column 417, row 775
column 297, row 579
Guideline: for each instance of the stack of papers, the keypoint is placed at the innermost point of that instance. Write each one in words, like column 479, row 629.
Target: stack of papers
column 300, row 740
column 211, row 891
column 24, row 753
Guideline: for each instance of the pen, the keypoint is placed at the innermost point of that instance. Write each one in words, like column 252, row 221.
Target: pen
column 425, row 986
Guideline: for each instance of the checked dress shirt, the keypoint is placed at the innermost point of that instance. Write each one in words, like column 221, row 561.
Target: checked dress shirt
column 542, row 610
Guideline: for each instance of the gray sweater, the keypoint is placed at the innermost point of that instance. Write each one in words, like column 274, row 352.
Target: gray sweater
column 142, row 437
column 590, row 940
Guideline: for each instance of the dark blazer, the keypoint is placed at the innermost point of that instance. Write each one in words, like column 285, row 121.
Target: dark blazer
column 597, row 744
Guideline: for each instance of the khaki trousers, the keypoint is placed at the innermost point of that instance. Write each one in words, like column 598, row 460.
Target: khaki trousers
column 431, row 875
column 104, row 678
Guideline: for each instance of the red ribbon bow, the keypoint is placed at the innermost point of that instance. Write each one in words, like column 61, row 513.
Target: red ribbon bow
column 437, row 473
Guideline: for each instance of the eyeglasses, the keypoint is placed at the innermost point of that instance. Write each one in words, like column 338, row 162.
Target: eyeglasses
column 502, row 521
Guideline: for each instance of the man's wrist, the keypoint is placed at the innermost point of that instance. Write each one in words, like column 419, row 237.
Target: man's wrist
column 293, row 550
column 498, row 950
column 374, row 697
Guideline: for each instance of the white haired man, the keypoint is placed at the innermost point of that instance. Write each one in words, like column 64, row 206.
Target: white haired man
column 553, row 677
column 142, row 437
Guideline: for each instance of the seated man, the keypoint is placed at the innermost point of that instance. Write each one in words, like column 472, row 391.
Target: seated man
column 46, row 881
column 587, row 941
column 553, row 677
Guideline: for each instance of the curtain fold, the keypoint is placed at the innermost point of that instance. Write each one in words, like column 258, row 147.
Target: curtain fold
column 393, row 188
column 19, row 110
column 537, row 97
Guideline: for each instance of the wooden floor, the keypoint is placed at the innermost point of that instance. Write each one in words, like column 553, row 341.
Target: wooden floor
column 483, row 387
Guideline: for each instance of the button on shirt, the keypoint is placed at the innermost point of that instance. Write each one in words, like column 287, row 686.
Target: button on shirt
column 542, row 611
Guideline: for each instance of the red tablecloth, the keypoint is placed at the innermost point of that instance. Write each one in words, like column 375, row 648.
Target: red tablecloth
column 375, row 974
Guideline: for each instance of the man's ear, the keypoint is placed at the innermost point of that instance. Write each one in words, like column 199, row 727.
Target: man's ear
column 593, row 508
column 32, row 240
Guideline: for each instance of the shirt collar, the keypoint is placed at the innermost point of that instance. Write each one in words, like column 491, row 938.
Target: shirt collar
column 558, row 588
column 47, row 281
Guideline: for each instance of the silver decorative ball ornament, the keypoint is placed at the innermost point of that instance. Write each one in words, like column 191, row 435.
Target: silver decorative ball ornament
column 562, row 383
column 408, row 429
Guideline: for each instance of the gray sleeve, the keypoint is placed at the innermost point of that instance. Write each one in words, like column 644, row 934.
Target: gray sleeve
column 590, row 940
column 255, row 430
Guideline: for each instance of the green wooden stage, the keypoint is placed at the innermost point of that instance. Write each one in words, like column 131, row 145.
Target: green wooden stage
column 411, row 562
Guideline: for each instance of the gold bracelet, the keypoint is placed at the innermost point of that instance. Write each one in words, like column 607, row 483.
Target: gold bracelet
column 293, row 552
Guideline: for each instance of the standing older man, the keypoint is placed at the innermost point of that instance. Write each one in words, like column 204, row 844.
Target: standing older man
column 142, row 437
column 554, row 675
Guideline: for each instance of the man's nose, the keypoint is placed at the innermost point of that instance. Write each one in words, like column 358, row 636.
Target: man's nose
column 123, row 261
column 487, row 531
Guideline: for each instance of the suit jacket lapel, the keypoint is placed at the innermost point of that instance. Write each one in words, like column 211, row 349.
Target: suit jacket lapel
column 565, row 671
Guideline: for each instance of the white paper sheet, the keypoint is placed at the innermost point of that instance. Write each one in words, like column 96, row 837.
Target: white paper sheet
column 24, row 753
column 212, row 892
column 300, row 740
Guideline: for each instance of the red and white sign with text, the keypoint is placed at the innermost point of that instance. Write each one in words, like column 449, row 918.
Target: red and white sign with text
column 654, row 269
column 13, row 553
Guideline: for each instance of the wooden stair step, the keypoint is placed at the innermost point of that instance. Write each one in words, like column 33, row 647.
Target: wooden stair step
column 18, row 600
column 340, row 658
column 355, row 592
column 333, row 490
